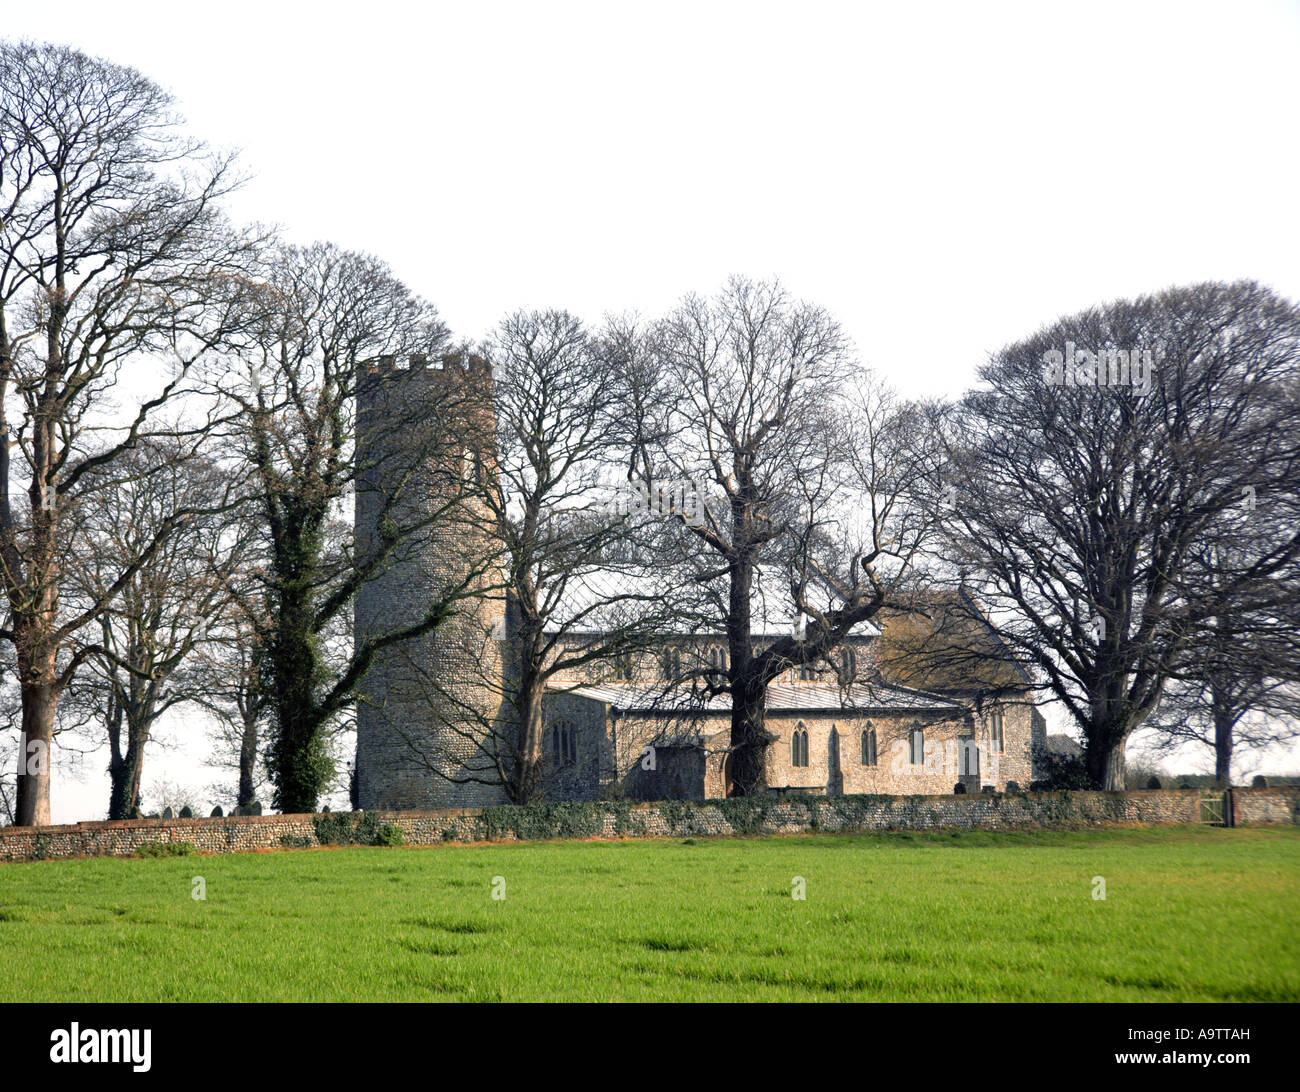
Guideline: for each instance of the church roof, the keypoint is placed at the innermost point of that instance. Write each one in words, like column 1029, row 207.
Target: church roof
column 947, row 645
column 861, row 698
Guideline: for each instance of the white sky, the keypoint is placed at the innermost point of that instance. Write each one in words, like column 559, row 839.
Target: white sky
column 945, row 178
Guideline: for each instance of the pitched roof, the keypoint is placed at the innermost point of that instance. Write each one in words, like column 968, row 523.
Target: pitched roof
column 946, row 645
column 861, row 698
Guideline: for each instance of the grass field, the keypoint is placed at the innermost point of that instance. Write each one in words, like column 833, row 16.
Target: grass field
column 1190, row 914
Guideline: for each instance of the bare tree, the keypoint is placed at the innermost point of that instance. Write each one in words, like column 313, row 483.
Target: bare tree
column 149, row 631
column 1101, row 458
column 1239, row 688
column 229, row 686
column 809, row 465
column 113, row 259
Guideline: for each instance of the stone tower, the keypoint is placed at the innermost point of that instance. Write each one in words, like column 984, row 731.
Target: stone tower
column 426, row 448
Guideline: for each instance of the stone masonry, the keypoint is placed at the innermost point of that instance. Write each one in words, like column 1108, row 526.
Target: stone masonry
column 670, row 819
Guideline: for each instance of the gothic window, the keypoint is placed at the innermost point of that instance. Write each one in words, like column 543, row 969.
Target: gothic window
column 995, row 730
column 848, row 664
column 564, row 743
column 672, row 664
column 918, row 747
column 718, row 659
column 869, row 747
column 799, row 746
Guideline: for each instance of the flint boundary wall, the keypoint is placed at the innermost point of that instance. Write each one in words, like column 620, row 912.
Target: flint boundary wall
column 672, row 819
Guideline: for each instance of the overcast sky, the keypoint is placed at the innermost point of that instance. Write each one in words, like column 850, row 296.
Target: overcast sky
column 945, row 178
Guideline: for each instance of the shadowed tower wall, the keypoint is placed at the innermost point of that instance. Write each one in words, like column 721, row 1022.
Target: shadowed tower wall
column 426, row 443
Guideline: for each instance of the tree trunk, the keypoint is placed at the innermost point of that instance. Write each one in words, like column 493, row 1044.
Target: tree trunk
column 124, row 775
column 1105, row 762
column 749, row 734
column 297, row 765
column 39, row 700
column 748, row 690
column 247, row 761
column 1225, row 721
column 124, row 766
column 528, row 707
column 297, row 758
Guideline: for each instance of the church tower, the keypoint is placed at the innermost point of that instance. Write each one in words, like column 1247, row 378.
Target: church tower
column 431, row 705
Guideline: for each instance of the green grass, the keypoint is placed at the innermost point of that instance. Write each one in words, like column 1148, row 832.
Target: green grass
column 1191, row 914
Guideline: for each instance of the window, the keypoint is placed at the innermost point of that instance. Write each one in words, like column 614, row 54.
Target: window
column 623, row 667
column 807, row 673
column 995, row 730
column 799, row 746
column 718, row 659
column 673, row 664
column 869, row 747
column 564, row 743
column 918, row 747
column 970, row 758
column 848, row 664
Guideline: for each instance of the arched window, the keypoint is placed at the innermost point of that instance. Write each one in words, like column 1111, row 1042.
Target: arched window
column 718, row 659
column 995, row 730
column 918, row 747
column 672, row 664
column 799, row 746
column 970, row 758
column 848, row 664
column 868, row 747
column 564, row 743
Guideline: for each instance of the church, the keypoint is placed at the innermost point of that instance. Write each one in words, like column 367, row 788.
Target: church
column 434, row 724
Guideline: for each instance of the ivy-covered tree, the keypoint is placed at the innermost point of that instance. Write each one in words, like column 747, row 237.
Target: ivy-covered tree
column 322, row 315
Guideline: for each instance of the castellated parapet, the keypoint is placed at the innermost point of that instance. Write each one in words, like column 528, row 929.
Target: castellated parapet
column 426, row 451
